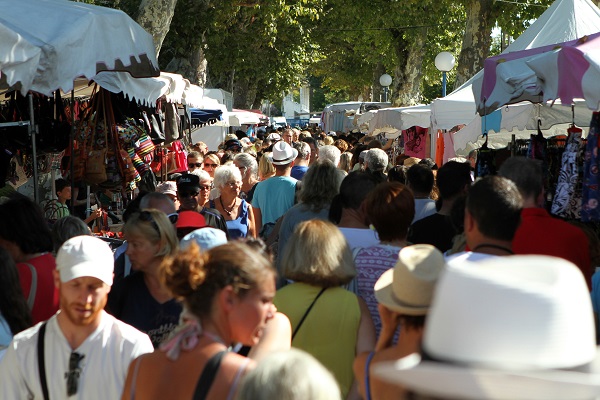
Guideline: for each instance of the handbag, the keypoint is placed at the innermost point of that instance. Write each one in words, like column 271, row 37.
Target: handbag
column 95, row 166
column 143, row 146
column 179, row 157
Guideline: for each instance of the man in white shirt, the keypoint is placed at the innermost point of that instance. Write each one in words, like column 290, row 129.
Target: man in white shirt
column 81, row 352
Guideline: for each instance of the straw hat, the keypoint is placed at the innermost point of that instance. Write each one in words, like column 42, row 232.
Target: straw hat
column 408, row 287
column 506, row 328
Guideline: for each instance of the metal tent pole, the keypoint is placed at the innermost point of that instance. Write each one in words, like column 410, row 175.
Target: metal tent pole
column 72, row 145
column 32, row 132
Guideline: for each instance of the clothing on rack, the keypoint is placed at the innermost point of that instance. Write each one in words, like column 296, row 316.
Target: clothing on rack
column 567, row 197
column 590, row 192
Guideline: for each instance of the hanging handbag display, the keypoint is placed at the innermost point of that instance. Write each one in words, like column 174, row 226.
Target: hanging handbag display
column 95, row 167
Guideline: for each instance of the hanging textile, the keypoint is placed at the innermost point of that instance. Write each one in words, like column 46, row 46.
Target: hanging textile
column 589, row 204
column 415, row 142
column 439, row 148
column 567, row 197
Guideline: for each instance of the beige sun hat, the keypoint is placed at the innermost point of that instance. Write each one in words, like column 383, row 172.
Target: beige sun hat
column 408, row 287
column 515, row 327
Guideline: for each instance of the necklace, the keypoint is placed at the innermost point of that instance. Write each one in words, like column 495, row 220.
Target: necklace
column 492, row 246
column 225, row 209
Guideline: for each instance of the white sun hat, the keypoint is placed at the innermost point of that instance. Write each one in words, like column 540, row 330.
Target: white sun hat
column 516, row 327
column 283, row 153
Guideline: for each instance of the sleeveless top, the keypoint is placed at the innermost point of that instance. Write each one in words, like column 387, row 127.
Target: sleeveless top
column 329, row 331
column 237, row 228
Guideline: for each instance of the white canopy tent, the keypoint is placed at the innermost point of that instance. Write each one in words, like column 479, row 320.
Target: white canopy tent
column 564, row 20
column 400, row 118
column 340, row 116
column 242, row 117
column 521, row 120
column 46, row 44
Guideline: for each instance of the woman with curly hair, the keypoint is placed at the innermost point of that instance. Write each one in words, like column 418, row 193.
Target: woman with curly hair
column 227, row 294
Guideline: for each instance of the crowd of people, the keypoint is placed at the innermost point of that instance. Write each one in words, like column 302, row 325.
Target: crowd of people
column 304, row 265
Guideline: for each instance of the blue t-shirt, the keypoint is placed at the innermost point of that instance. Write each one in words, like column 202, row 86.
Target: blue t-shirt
column 298, row 171
column 274, row 197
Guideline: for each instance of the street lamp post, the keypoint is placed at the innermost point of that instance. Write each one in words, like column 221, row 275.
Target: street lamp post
column 385, row 80
column 444, row 62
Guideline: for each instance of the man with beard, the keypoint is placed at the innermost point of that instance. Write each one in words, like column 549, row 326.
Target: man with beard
column 81, row 352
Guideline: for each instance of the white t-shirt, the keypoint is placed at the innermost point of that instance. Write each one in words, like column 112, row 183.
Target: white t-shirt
column 108, row 352
column 423, row 208
column 467, row 257
column 357, row 237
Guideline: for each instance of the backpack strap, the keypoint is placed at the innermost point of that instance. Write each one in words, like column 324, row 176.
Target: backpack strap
column 42, row 361
column 33, row 287
column 306, row 313
column 208, row 376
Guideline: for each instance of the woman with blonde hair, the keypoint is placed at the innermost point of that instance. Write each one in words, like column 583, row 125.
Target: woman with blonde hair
column 266, row 169
column 211, row 162
column 142, row 299
column 238, row 214
column 328, row 321
column 345, row 162
column 227, row 293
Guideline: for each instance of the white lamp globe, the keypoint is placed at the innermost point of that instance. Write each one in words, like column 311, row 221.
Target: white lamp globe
column 444, row 61
column 385, row 80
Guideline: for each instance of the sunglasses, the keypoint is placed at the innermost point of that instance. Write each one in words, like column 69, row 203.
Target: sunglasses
column 73, row 373
column 146, row 216
column 211, row 165
column 198, row 165
column 173, row 218
column 183, row 195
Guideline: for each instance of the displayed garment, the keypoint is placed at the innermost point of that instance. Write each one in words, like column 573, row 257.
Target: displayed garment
column 567, row 197
column 590, row 194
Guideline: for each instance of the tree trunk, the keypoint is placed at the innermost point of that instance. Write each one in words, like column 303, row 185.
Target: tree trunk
column 244, row 94
column 481, row 17
column 407, row 74
column 155, row 17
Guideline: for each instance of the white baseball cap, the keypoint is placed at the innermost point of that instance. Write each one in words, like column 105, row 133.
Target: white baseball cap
column 85, row 256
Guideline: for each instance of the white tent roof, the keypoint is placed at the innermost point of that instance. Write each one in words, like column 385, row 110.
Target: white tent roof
column 339, row 116
column 46, row 44
column 398, row 117
column 519, row 119
column 564, row 20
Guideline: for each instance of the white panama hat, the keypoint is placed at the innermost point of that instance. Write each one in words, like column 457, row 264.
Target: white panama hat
column 283, row 153
column 516, row 327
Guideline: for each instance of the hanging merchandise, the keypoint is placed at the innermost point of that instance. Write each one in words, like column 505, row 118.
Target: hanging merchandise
column 485, row 164
column 54, row 126
column 567, row 198
column 591, row 194
column 96, row 160
column 177, row 158
column 159, row 161
column 144, row 147
column 172, row 122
